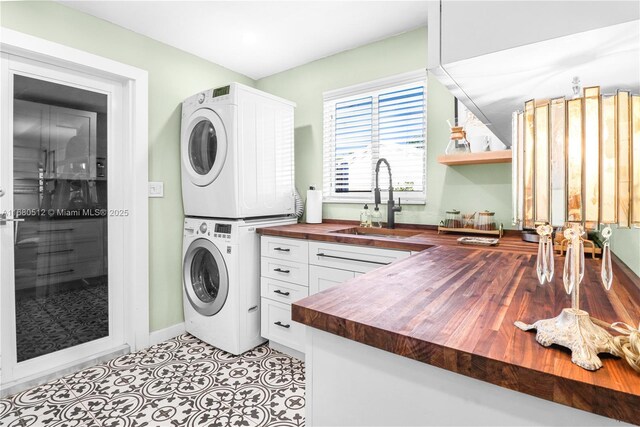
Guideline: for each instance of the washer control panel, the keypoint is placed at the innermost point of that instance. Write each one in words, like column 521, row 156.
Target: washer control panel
column 222, row 230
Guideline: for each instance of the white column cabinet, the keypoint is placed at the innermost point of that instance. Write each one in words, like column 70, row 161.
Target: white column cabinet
column 292, row 269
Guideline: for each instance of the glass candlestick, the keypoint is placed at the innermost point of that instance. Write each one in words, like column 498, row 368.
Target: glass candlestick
column 573, row 328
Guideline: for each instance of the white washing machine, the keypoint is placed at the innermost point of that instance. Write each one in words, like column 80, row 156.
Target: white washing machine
column 221, row 281
column 237, row 154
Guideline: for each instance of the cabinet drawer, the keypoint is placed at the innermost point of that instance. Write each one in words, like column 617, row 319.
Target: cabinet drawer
column 350, row 257
column 54, row 261
column 321, row 278
column 289, row 271
column 288, row 249
column 277, row 326
column 284, row 292
column 89, row 250
column 90, row 229
column 89, row 268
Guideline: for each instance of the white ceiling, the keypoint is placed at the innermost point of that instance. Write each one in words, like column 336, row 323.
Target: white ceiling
column 261, row 38
column 500, row 82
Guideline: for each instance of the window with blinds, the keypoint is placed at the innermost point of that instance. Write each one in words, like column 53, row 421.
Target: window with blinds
column 381, row 119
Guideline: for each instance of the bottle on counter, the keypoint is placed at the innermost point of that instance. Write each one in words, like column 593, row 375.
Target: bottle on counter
column 365, row 217
column 376, row 218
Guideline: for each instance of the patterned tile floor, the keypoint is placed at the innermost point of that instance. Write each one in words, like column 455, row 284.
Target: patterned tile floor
column 50, row 318
column 180, row 382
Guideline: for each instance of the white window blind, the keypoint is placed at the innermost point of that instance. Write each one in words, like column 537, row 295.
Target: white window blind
column 381, row 119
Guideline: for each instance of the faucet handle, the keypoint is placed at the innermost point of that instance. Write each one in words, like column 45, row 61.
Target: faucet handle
column 398, row 207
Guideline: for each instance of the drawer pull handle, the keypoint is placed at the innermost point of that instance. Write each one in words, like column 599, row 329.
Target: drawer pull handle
column 56, row 272
column 279, row 270
column 57, row 230
column 278, row 291
column 282, row 249
column 61, row 251
column 352, row 259
column 252, row 309
column 282, row 325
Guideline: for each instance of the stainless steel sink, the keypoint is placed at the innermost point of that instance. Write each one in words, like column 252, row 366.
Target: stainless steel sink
column 377, row 232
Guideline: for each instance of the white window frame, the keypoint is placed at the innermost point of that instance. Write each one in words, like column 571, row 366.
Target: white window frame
column 328, row 146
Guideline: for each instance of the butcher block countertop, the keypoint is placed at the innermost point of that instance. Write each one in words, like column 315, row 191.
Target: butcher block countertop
column 425, row 237
column 454, row 306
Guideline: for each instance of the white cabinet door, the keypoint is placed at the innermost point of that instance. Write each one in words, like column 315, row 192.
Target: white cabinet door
column 284, row 292
column 288, row 249
column 321, row 278
column 276, row 325
column 289, row 271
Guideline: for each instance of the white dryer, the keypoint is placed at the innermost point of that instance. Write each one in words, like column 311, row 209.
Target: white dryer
column 221, row 281
column 237, row 154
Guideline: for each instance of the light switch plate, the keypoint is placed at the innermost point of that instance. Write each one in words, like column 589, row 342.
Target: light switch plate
column 156, row 189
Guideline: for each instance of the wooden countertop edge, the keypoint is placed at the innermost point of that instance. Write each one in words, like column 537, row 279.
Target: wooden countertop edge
column 413, row 243
column 379, row 242
column 580, row 395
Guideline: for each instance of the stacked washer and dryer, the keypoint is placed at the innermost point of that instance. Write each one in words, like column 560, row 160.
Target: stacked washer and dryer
column 237, row 175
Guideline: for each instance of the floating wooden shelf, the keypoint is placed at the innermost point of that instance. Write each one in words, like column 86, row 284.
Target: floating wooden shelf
column 502, row 156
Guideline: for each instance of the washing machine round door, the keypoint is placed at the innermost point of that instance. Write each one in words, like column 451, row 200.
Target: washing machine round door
column 206, row 281
column 204, row 147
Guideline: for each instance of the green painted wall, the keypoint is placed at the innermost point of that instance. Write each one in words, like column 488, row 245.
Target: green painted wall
column 468, row 188
column 173, row 76
column 625, row 243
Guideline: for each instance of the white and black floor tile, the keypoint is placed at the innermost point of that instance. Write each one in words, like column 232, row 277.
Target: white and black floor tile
column 61, row 316
column 180, row 382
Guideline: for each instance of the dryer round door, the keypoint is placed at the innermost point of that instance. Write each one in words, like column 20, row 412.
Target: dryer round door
column 204, row 147
column 205, row 277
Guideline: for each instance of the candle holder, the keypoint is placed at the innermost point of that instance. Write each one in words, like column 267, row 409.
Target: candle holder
column 573, row 328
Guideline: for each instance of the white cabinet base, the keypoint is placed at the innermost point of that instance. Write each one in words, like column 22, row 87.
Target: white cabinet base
column 286, row 350
column 352, row 384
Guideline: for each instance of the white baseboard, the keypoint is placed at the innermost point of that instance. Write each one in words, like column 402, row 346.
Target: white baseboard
column 287, row 350
column 156, row 337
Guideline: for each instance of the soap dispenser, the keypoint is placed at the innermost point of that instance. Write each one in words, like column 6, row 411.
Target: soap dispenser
column 376, row 218
column 365, row 217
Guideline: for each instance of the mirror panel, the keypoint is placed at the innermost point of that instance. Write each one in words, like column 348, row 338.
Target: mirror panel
column 591, row 196
column 624, row 158
column 542, row 163
column 528, row 165
column 608, row 175
column 574, row 160
column 635, row 162
column 558, row 195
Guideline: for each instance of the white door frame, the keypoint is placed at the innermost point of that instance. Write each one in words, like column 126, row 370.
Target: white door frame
column 135, row 153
